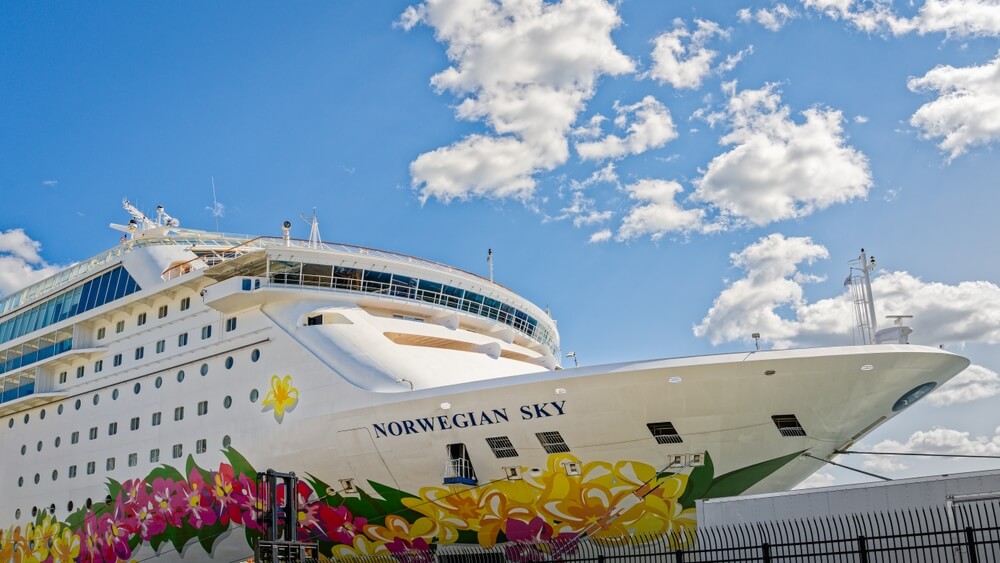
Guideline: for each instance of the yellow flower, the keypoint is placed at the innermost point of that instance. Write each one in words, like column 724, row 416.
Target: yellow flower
column 282, row 396
column 362, row 546
column 65, row 546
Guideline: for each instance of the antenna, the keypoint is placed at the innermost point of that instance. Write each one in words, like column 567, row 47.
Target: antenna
column 489, row 260
column 314, row 238
column 215, row 206
column 860, row 283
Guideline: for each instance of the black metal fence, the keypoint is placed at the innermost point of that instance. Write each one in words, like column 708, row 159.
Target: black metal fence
column 961, row 532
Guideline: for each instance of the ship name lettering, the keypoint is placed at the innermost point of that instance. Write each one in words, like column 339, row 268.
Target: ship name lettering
column 442, row 422
column 537, row 410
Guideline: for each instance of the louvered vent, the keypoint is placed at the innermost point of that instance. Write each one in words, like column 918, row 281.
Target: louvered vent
column 664, row 432
column 502, row 447
column 788, row 425
column 552, row 442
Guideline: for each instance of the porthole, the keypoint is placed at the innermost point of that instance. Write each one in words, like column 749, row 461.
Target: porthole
column 24, row 449
column 229, row 362
column 97, row 399
column 136, row 388
column 204, row 369
column 10, row 423
column 34, row 511
column 41, row 415
column 107, row 500
column 255, row 355
column 37, row 478
column 58, row 441
column 55, row 475
column 20, row 481
column 52, row 508
column 253, row 396
column 114, row 395
column 77, row 404
column 17, row 514
column 227, row 402
column 180, row 376
column 226, row 440
column 59, row 409
column 159, row 382
column 39, row 446
column 89, row 504
column 25, row 418
column 69, row 506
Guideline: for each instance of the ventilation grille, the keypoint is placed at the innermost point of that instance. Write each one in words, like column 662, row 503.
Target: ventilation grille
column 552, row 442
column 502, row 447
column 664, row 432
column 788, row 425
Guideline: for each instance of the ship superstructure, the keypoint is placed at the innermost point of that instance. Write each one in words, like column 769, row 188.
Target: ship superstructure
column 144, row 387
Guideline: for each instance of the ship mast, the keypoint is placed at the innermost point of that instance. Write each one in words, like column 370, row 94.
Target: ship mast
column 861, row 290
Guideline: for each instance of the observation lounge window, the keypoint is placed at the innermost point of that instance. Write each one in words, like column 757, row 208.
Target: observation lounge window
column 285, row 272
column 347, row 278
column 377, row 282
column 452, row 296
column 429, row 291
column 403, row 286
column 316, row 275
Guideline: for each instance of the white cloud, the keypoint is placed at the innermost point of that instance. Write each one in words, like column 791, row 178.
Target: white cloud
column 733, row 60
column 582, row 210
column 606, row 175
column 959, row 18
column 967, row 110
column 685, row 65
column 943, row 314
column 936, row 441
column 600, row 236
column 779, row 169
column 50, row 183
column 524, row 68
column 818, row 479
column 20, row 261
column 772, row 19
column 861, row 119
column 651, row 127
column 975, row 382
column 657, row 211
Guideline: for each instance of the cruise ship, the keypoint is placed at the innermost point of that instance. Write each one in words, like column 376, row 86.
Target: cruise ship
column 420, row 405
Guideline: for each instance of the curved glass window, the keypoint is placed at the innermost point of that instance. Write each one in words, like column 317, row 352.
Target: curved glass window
column 253, row 396
column 255, row 355
column 159, row 381
column 229, row 362
column 913, row 395
column 114, row 394
column 180, row 376
column 204, row 368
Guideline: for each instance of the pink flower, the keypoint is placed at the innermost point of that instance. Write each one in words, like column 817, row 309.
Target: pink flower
column 229, row 495
column 92, row 538
column 198, row 501
column 349, row 526
column 168, row 500
column 250, row 505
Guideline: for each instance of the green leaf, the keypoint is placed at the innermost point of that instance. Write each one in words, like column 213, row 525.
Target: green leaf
column 165, row 472
column 736, row 482
column 699, row 482
column 393, row 503
column 240, row 464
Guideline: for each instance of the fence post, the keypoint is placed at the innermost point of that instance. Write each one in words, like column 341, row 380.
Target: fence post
column 766, row 552
column 970, row 541
column 679, row 556
column 600, row 558
column 863, row 548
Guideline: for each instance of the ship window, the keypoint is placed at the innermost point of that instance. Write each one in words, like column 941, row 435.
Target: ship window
column 664, row 432
column 185, row 303
column 37, row 479
column 97, row 399
column 162, row 312
column 230, row 324
column 253, row 395
column 20, row 481
column 206, row 332
column 24, row 449
column 154, row 455
column 79, row 372
column 136, row 388
column 112, row 428
column 91, row 467
column 255, row 355
column 59, row 410
column 376, row 282
column 10, row 422
column 57, row 441
column 227, row 402
column 74, row 438
column 114, row 395
column 226, row 440
column 552, row 442
column 17, row 514
column 69, row 506
column 204, row 369
column 140, row 352
column 180, row 376
column 93, row 433
column 161, row 345
column 156, row 419
column 133, row 459
column 62, row 377
column 101, row 332
column 201, row 446
column 159, row 382
column 39, row 446
column 72, row 471
column 178, row 451
column 134, row 423
column 788, row 425
column 119, row 327
column 182, row 339
column 117, row 361
column 314, row 320
column 229, row 362
column 179, row 413
column 141, row 320
column 202, row 408
column 41, row 415
column 458, row 469
column 98, row 366
column 502, row 447
column 77, row 404
column 110, row 464
column 55, row 474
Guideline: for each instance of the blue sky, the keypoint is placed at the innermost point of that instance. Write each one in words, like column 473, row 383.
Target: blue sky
column 667, row 177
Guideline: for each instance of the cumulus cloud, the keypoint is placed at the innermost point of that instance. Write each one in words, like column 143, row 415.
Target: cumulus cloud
column 524, row 68
column 606, row 175
column 772, row 286
column 818, row 479
column 976, row 382
column 967, row 109
column 681, row 57
column 582, row 211
column 20, row 261
column 657, row 211
column 600, row 236
column 772, row 19
column 649, row 126
column 778, row 169
column 958, row 18
column 936, row 441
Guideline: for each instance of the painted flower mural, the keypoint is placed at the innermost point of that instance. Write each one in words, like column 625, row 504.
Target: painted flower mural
column 283, row 397
column 171, row 510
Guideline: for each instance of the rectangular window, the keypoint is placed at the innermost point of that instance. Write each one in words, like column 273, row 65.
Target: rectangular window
column 140, row 352
column 91, row 467
column 74, row 438
column 79, row 372
column 72, row 471
column 179, row 413
column 98, row 366
column 133, row 460
column 201, row 446
column 231, row 324
column 156, row 419
column 206, row 332
column 101, row 332
column 162, row 312
column 110, row 464
column 185, row 303
column 664, row 432
column 62, row 377
column 552, row 442
column 134, row 425
column 161, row 345
column 178, row 451
column 119, row 327
column 93, row 433
column 112, row 429
column 788, row 425
column 502, row 447
column 154, row 455
column 117, row 360
column 141, row 320
column 202, row 408
column 182, row 339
